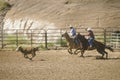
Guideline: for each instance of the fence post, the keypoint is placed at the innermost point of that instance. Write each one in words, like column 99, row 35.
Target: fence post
column 46, row 39
column 105, row 36
column 2, row 34
column 2, row 38
column 17, row 38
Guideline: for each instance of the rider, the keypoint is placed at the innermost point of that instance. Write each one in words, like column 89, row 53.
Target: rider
column 73, row 34
column 91, row 37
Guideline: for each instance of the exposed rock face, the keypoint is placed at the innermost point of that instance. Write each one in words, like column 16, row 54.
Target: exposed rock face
column 44, row 14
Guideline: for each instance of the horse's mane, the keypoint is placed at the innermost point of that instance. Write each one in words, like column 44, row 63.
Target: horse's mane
column 81, row 37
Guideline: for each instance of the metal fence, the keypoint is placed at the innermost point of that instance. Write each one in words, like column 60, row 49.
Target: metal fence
column 113, row 37
column 51, row 39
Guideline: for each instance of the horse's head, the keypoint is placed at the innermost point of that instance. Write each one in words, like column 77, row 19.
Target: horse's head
column 65, row 34
column 36, row 49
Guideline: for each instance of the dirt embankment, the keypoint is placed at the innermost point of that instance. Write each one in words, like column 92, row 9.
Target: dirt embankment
column 31, row 14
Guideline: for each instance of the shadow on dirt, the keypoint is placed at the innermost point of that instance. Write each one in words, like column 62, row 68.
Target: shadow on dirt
column 90, row 56
column 99, row 58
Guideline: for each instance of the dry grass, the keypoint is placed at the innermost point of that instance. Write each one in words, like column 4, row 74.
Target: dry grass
column 59, row 65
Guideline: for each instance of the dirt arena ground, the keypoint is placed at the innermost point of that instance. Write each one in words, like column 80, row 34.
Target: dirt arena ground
column 59, row 65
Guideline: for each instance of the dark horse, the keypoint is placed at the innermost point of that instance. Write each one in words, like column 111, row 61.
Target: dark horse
column 100, row 47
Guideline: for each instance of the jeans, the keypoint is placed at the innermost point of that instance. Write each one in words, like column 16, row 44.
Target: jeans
column 90, row 41
column 76, row 41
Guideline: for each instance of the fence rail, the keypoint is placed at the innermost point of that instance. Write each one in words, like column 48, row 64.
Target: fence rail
column 10, row 39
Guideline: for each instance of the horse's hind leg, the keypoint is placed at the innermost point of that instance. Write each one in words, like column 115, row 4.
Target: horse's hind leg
column 70, row 51
column 76, row 51
column 101, row 52
column 103, row 55
column 106, row 54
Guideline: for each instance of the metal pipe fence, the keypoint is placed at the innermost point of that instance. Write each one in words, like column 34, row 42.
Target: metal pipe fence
column 52, row 39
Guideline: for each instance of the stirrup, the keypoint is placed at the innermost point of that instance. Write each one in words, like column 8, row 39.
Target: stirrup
column 90, row 48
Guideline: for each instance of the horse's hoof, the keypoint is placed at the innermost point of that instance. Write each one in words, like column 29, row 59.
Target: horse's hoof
column 26, row 57
column 30, row 58
column 100, row 58
column 106, row 58
column 75, row 53
column 82, row 56
column 71, row 53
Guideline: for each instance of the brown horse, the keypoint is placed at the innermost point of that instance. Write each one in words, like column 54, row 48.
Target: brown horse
column 71, row 44
column 100, row 47
column 28, row 50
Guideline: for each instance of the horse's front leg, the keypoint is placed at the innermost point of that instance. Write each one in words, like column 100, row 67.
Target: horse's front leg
column 70, row 50
column 33, row 54
column 82, row 52
column 76, row 51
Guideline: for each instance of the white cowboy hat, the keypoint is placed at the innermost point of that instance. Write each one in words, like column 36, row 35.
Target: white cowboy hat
column 88, row 29
column 70, row 25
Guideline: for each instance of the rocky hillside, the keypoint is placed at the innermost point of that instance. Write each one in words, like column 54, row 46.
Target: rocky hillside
column 39, row 14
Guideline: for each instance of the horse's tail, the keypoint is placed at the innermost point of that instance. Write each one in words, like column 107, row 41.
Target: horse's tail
column 108, row 47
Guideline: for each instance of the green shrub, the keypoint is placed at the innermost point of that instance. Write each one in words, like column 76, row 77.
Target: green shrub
column 99, row 38
column 11, row 39
column 62, row 42
column 42, row 47
column 50, row 44
column 4, row 5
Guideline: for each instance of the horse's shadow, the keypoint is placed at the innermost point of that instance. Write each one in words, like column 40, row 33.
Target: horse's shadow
column 100, row 58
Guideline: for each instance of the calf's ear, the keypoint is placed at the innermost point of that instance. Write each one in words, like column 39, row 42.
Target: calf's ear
column 17, row 49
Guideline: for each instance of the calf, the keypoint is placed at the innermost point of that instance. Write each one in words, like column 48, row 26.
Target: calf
column 28, row 50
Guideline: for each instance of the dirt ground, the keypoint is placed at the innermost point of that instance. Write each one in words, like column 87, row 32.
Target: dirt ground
column 59, row 65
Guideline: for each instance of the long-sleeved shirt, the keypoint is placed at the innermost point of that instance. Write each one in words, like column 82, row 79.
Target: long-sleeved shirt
column 73, row 32
column 91, row 34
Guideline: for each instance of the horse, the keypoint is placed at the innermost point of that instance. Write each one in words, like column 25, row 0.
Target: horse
column 28, row 50
column 100, row 47
column 71, row 44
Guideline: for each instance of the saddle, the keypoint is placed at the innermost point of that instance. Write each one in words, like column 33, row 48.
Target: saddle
column 76, row 41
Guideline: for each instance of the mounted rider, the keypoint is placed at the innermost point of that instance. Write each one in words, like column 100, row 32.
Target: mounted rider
column 91, row 37
column 73, row 34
